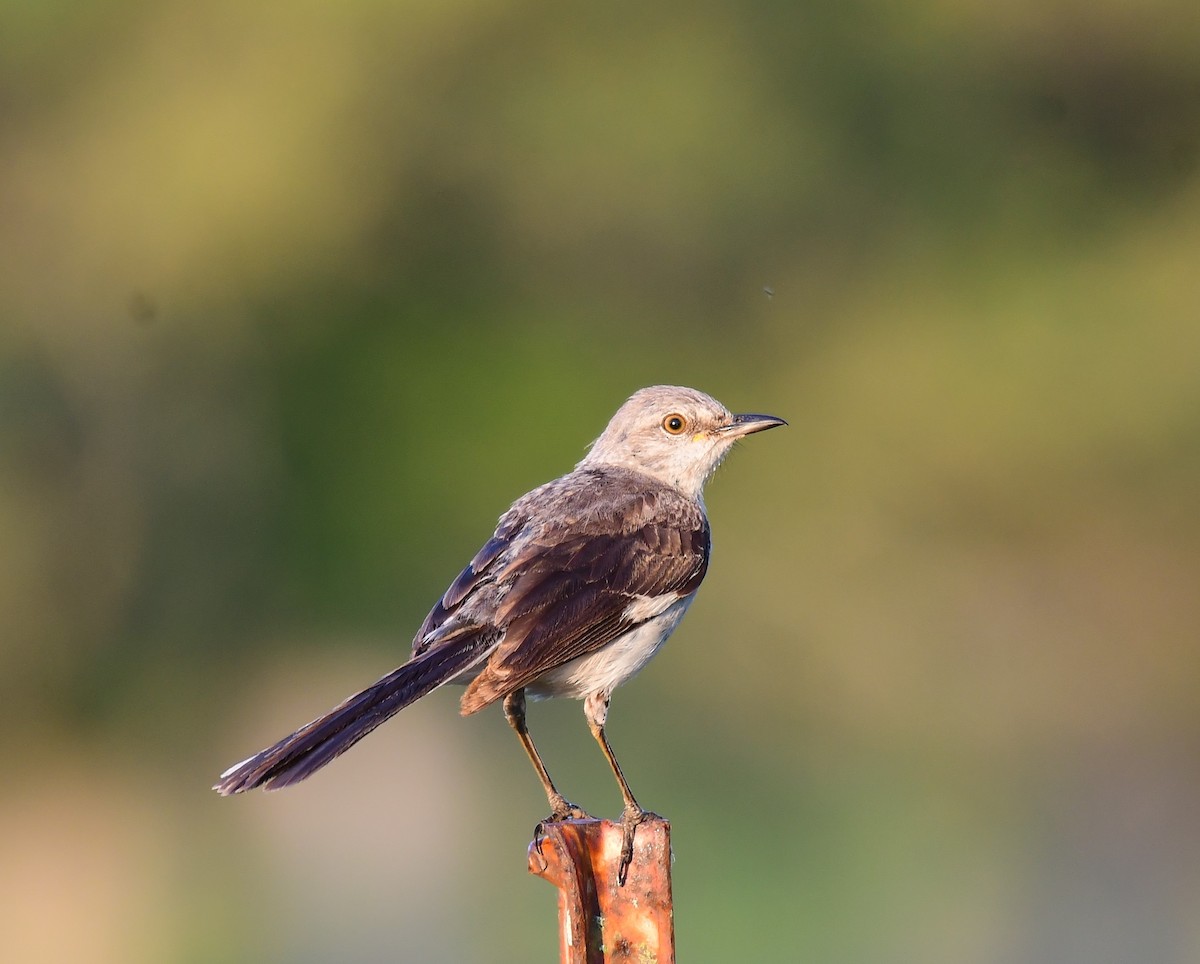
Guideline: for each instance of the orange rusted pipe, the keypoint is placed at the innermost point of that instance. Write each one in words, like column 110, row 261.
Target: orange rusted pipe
column 598, row 920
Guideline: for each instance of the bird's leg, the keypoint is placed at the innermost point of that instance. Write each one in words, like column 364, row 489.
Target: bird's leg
column 560, row 807
column 595, row 708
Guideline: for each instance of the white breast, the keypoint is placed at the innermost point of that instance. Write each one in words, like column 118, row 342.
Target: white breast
column 606, row 669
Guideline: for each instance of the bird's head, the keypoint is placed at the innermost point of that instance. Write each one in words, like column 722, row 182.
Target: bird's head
column 677, row 435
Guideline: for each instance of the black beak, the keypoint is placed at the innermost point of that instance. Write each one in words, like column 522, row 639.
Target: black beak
column 749, row 424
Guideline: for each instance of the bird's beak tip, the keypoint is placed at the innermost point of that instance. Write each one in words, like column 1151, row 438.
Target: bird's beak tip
column 748, row 424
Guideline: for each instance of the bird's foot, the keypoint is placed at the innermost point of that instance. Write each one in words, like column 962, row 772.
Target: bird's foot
column 561, row 809
column 631, row 817
column 565, row 810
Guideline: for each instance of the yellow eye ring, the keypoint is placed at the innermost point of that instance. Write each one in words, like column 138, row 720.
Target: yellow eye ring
column 674, row 424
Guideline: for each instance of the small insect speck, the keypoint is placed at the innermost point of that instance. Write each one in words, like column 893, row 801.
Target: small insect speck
column 142, row 308
column 768, row 291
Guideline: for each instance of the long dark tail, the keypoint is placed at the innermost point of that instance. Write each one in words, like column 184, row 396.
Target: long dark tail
column 308, row 749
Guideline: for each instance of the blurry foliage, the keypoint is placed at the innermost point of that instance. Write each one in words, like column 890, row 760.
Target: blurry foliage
column 294, row 301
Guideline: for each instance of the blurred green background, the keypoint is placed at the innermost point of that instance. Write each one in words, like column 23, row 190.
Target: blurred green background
column 295, row 299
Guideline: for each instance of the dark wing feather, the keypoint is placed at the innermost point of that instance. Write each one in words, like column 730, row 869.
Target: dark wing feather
column 569, row 589
column 481, row 570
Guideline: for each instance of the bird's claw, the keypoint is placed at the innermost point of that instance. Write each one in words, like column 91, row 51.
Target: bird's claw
column 630, row 819
column 562, row 811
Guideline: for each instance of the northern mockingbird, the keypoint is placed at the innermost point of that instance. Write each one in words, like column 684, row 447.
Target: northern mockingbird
column 583, row 580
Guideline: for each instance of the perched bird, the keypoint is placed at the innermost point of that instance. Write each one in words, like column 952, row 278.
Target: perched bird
column 583, row 580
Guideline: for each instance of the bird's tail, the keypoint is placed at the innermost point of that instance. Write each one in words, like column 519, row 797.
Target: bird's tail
column 308, row 749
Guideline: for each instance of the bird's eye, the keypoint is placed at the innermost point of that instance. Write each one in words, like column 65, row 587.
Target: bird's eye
column 674, row 423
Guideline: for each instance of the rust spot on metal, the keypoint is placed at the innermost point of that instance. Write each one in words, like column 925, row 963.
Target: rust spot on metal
column 599, row 920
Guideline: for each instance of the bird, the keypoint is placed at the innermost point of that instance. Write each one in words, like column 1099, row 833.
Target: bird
column 579, row 586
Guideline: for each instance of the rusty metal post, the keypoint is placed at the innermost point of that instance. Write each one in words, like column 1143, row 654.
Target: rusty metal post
column 598, row 920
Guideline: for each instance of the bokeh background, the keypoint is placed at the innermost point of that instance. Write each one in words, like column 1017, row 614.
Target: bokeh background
column 295, row 299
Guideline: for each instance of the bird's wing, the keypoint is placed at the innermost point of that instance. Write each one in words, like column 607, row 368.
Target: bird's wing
column 582, row 580
column 482, row 571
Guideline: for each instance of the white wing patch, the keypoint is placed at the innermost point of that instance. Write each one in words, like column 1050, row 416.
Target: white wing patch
column 610, row 666
column 647, row 607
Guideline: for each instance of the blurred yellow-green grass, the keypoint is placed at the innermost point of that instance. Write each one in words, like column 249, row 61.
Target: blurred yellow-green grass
column 295, row 300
